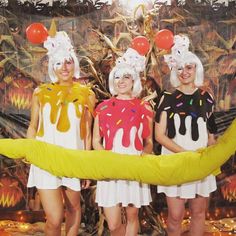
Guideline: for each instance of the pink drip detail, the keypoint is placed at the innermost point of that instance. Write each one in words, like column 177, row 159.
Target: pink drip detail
column 125, row 114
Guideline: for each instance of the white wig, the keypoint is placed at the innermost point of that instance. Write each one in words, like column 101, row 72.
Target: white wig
column 181, row 56
column 60, row 49
column 130, row 63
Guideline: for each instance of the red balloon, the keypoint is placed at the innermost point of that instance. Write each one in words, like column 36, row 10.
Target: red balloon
column 140, row 44
column 164, row 39
column 36, row 33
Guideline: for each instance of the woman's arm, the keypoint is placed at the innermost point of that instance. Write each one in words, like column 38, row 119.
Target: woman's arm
column 162, row 138
column 97, row 145
column 88, row 138
column 87, row 142
column 88, row 127
column 88, row 124
column 34, row 119
column 211, row 139
column 147, row 142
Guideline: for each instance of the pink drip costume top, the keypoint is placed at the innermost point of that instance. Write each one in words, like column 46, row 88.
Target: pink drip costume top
column 115, row 114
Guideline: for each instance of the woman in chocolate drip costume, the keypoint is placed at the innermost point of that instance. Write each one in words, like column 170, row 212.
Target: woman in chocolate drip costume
column 61, row 115
column 123, row 124
column 185, row 121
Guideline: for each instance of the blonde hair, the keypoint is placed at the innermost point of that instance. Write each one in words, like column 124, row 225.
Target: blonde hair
column 131, row 63
column 179, row 57
column 188, row 58
column 60, row 49
column 61, row 57
column 120, row 71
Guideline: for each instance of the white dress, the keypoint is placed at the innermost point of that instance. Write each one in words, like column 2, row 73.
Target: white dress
column 112, row 192
column 185, row 139
column 42, row 179
column 70, row 139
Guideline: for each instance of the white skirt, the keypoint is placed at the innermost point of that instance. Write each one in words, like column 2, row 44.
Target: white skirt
column 190, row 190
column 201, row 187
column 113, row 192
column 42, row 179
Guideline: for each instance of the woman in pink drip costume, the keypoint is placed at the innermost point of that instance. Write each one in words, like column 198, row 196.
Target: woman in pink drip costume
column 123, row 124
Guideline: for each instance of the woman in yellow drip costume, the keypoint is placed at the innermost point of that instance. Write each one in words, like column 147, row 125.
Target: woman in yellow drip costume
column 61, row 115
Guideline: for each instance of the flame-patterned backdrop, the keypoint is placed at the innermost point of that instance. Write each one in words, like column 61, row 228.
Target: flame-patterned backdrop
column 100, row 33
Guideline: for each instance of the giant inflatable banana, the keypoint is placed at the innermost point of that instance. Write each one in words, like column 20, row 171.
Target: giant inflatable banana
column 100, row 165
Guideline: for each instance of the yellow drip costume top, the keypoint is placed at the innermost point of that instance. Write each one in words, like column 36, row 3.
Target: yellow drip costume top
column 61, row 122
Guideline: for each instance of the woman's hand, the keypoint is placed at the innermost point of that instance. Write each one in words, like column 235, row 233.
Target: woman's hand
column 85, row 183
column 211, row 139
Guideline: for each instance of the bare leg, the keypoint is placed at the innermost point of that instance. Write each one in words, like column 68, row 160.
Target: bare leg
column 53, row 206
column 37, row 202
column 176, row 210
column 113, row 217
column 73, row 211
column 132, row 221
column 198, row 213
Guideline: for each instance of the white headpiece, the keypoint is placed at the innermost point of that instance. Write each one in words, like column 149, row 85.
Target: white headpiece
column 131, row 63
column 60, row 49
column 178, row 51
column 180, row 56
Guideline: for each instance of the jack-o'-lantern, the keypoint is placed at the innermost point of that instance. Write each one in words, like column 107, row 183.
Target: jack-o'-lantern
column 11, row 193
column 228, row 189
column 20, row 92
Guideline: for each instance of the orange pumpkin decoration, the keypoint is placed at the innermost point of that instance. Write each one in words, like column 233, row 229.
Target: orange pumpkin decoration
column 20, row 92
column 228, row 189
column 11, row 193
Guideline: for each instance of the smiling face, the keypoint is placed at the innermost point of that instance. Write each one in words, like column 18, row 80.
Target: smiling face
column 64, row 71
column 187, row 74
column 123, row 85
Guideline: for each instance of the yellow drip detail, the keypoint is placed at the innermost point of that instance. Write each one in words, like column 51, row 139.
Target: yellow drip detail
column 59, row 97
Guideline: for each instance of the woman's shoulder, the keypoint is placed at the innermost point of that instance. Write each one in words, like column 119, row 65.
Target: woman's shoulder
column 83, row 87
column 43, row 87
column 205, row 94
column 104, row 104
column 167, row 96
